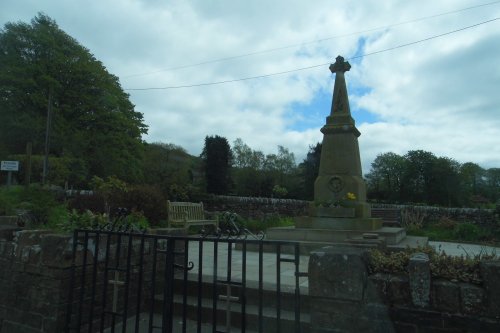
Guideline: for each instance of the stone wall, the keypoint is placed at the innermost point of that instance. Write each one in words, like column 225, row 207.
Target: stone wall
column 430, row 213
column 34, row 281
column 345, row 298
column 256, row 208
column 35, row 278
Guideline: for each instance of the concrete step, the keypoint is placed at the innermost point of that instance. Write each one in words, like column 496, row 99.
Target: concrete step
column 252, row 292
column 391, row 235
column 269, row 309
column 191, row 326
column 411, row 242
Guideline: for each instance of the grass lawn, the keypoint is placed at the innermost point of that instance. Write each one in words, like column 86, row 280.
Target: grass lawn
column 457, row 232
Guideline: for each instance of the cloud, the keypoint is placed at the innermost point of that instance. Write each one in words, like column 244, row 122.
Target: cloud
column 439, row 95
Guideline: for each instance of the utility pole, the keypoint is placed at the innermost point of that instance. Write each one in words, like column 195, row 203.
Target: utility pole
column 27, row 175
column 47, row 139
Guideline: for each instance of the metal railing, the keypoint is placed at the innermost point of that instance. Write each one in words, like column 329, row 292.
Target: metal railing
column 124, row 281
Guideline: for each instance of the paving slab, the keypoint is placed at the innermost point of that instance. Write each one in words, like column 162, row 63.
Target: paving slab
column 464, row 249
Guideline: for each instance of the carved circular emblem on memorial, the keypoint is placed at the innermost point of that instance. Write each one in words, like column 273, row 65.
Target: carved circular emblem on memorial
column 336, row 184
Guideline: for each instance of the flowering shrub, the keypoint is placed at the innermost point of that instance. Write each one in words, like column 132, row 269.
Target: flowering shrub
column 344, row 201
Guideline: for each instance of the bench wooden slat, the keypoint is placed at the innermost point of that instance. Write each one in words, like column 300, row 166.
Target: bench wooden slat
column 187, row 214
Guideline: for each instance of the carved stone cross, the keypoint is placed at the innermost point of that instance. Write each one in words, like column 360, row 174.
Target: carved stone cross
column 116, row 282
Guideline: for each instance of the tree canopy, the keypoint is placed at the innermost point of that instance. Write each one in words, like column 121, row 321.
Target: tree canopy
column 93, row 121
column 217, row 158
column 421, row 177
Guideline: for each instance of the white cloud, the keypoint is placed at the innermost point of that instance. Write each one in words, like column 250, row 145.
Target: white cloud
column 440, row 95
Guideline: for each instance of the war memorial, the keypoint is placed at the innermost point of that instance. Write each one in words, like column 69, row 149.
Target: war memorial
column 339, row 212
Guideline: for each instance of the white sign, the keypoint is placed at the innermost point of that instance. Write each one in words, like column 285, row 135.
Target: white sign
column 9, row 166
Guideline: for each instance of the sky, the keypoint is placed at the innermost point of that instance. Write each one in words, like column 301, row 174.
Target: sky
column 425, row 74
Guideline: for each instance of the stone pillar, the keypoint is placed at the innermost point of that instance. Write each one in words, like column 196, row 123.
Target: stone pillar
column 420, row 279
column 490, row 272
column 339, row 293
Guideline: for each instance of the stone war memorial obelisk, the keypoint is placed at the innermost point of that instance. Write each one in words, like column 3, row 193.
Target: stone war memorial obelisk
column 339, row 212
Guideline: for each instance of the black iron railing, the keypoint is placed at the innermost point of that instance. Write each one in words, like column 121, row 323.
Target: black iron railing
column 125, row 281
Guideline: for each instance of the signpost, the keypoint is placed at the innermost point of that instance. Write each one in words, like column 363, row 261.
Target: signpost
column 9, row 166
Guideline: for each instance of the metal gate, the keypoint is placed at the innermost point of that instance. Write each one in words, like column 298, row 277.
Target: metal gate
column 125, row 281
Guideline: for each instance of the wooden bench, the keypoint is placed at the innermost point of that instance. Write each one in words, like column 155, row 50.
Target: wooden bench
column 391, row 217
column 187, row 214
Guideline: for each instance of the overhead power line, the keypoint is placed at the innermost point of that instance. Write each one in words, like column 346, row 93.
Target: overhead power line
column 311, row 42
column 314, row 66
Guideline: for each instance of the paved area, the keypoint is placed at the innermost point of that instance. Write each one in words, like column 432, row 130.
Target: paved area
column 464, row 249
column 286, row 269
column 270, row 265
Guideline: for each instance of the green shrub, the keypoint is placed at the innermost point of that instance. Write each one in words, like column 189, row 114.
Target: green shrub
column 467, row 232
column 9, row 197
column 38, row 202
column 269, row 221
column 58, row 215
column 453, row 268
column 446, row 223
column 93, row 203
column 84, row 220
column 146, row 199
column 135, row 220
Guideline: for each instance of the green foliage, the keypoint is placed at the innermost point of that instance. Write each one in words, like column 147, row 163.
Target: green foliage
column 412, row 219
column 93, row 203
column 217, row 160
column 279, row 191
column 38, row 206
column 270, row 221
column 172, row 169
column 112, row 190
column 467, row 232
column 58, row 216
column 256, row 174
column 90, row 220
column 61, row 169
column 93, row 120
column 463, row 268
column 385, row 178
column 448, row 230
column 147, row 201
column 309, row 169
column 84, row 220
column 421, row 177
column 9, row 199
column 39, row 202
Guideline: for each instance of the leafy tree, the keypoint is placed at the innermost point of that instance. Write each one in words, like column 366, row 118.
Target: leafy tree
column 471, row 180
column 445, row 185
column 93, row 119
column 385, row 178
column 493, row 184
column 421, row 177
column 310, row 169
column 217, row 159
column 244, row 156
column 170, row 168
column 417, row 178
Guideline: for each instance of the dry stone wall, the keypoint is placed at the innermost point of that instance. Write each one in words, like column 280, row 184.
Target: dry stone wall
column 258, row 208
column 34, row 281
column 35, row 274
column 345, row 298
